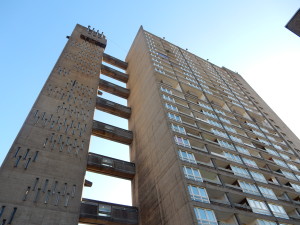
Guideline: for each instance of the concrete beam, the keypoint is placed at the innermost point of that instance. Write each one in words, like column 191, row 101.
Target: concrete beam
column 115, row 74
column 88, row 183
column 112, row 133
column 114, row 61
column 110, row 166
column 113, row 89
column 113, row 108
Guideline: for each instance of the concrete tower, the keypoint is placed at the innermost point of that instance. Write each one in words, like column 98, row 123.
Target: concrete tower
column 204, row 147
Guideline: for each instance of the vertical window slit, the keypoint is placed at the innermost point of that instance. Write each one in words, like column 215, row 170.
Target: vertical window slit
column 47, row 196
column 65, row 189
column 27, row 163
column 12, row 215
column 37, row 195
column 26, row 193
column 52, row 147
column 51, row 138
column 35, row 156
column 17, row 161
column 35, row 113
column 35, row 183
column 57, row 198
column 73, row 191
column 2, row 210
column 54, row 187
column 67, row 200
column 27, row 151
column 45, row 142
column 45, row 185
column 17, row 151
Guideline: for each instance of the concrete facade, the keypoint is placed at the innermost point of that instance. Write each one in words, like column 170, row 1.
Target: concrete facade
column 204, row 147
column 207, row 148
column 43, row 174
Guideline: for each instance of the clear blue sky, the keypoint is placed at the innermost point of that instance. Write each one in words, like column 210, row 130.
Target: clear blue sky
column 246, row 36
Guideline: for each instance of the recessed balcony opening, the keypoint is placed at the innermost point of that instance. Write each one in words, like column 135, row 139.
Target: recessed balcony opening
column 209, row 177
column 203, row 160
column 168, row 82
column 197, row 145
column 226, row 218
column 218, row 197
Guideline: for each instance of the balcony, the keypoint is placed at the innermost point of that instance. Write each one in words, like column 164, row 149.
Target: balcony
column 110, row 166
column 115, row 74
column 113, row 108
column 114, row 61
column 112, row 133
column 113, row 89
column 104, row 213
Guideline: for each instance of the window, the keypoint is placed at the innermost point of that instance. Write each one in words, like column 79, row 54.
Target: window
column 258, row 133
column 236, row 139
column 209, row 114
column 159, row 70
column 205, row 216
column 258, row 207
column 293, row 167
column 268, row 193
column 187, row 156
column 277, row 146
column 171, row 107
column 232, row 157
column 265, row 222
column 280, row 163
column 192, row 174
column 104, row 210
column 271, row 138
column 263, row 141
column 207, row 91
column 278, row 211
column 205, row 106
column 168, row 98
column 166, row 90
column 182, row 141
column 248, row 187
column 174, row 117
column 225, row 144
column 221, row 112
column 211, row 122
column 250, row 162
column 251, row 125
column 286, row 157
column 230, row 129
column 242, row 150
column 272, row 152
column 289, row 175
column 219, row 133
column 178, row 128
column 198, row 194
column 296, row 187
column 240, row 171
column 162, row 55
column 258, row 177
column 225, row 120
